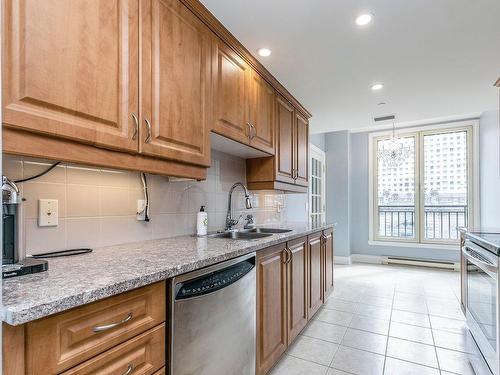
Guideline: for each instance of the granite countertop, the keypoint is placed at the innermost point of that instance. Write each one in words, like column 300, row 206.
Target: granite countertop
column 75, row 281
column 489, row 238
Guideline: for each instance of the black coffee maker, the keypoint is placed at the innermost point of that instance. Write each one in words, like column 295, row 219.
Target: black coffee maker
column 12, row 262
column 10, row 208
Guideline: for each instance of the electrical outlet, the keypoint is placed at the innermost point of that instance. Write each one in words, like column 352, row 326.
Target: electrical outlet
column 48, row 212
column 141, row 210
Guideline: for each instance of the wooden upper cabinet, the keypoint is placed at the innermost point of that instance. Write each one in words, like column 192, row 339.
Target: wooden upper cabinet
column 176, row 73
column 262, row 105
column 230, row 81
column 271, row 307
column 285, row 129
column 297, row 287
column 315, row 274
column 301, row 150
column 71, row 69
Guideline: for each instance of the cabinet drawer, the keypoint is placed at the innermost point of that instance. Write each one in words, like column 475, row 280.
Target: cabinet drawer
column 142, row 355
column 59, row 342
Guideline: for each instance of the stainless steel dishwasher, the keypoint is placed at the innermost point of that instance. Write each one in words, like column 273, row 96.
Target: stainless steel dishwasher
column 212, row 320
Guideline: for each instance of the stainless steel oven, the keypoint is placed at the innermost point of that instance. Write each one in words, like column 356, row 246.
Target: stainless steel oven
column 482, row 302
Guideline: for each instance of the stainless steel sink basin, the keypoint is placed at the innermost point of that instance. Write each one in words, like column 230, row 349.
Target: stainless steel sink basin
column 240, row 235
column 269, row 230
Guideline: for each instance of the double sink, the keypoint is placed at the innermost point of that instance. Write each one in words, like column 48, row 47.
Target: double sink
column 249, row 234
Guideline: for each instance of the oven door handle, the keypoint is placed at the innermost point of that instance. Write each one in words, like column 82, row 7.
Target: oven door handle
column 490, row 268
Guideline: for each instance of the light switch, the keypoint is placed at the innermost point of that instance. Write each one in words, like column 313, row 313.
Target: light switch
column 48, row 214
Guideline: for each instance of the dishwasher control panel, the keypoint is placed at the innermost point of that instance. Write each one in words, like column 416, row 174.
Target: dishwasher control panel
column 213, row 281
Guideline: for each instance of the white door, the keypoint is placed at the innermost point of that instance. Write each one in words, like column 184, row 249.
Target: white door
column 317, row 194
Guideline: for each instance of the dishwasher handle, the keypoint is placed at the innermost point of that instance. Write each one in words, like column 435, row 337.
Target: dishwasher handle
column 213, row 281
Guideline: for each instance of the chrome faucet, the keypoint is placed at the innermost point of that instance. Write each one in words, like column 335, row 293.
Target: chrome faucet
column 230, row 222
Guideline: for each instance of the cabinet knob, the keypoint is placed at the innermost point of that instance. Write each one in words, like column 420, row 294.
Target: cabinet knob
column 148, row 138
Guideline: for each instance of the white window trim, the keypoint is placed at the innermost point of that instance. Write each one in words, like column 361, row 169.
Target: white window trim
column 316, row 150
column 474, row 176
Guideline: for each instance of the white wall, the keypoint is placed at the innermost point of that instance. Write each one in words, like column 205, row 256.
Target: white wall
column 489, row 159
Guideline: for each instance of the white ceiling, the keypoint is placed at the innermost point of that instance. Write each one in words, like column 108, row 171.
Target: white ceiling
column 437, row 58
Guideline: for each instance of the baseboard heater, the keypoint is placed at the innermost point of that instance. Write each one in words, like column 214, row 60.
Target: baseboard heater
column 421, row 262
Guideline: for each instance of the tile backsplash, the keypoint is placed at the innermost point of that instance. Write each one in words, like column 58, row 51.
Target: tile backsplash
column 97, row 206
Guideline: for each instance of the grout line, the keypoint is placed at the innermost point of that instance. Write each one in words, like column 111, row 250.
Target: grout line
column 307, row 360
column 389, row 331
column 414, row 363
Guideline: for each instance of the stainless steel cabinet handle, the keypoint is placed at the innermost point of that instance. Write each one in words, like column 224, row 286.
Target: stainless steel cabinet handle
column 148, row 138
column 130, row 368
column 136, row 123
column 254, row 131
column 112, row 325
column 286, row 256
column 291, row 254
column 249, row 130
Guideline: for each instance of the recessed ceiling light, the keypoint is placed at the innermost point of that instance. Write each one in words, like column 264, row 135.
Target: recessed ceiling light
column 377, row 86
column 264, row 52
column 364, row 19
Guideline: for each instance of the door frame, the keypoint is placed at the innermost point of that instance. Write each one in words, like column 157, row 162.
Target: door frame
column 319, row 154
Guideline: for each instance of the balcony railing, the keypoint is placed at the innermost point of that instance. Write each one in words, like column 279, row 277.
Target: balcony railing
column 440, row 221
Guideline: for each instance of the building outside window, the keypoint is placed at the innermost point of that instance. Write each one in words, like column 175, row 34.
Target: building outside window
column 430, row 194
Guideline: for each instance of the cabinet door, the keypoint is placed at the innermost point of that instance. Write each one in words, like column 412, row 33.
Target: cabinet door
column 271, row 307
column 262, row 114
column 231, row 82
column 176, row 96
column 328, row 257
column 285, row 153
column 297, row 288
column 301, row 151
column 315, row 274
column 71, row 69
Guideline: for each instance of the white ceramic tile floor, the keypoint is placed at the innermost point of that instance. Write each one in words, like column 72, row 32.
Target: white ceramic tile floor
column 384, row 320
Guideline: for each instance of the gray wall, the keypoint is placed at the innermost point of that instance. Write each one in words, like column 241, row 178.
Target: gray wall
column 337, row 188
column 318, row 140
column 359, row 212
column 489, row 169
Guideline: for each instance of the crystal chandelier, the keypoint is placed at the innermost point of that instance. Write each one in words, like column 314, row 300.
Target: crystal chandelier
column 393, row 152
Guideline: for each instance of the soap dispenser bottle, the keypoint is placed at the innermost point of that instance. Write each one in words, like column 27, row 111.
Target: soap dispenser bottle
column 201, row 222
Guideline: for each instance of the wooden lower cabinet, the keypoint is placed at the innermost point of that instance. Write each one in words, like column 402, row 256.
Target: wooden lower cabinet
column 104, row 337
column 328, row 264
column 315, row 273
column 141, row 355
column 293, row 279
column 271, row 307
column 297, row 287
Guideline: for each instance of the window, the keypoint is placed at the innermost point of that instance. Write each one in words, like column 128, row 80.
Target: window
column 437, row 194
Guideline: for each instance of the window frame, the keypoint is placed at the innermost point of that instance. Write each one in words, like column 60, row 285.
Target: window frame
column 472, row 129
column 316, row 151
